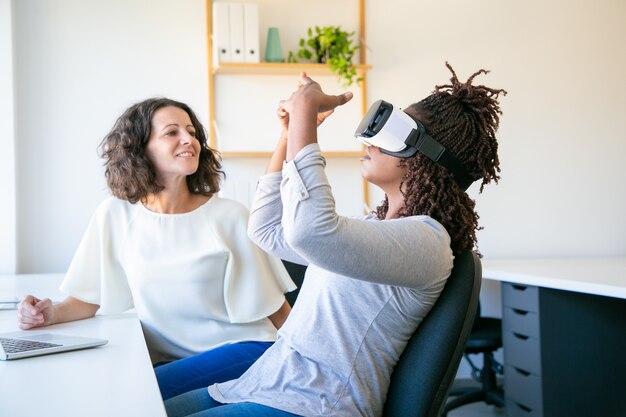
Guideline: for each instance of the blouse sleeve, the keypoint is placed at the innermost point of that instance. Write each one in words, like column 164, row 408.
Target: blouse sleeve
column 95, row 274
column 255, row 282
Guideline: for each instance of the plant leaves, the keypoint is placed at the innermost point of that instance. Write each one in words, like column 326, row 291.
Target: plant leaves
column 330, row 44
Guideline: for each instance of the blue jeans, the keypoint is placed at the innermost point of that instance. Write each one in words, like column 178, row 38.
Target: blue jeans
column 198, row 403
column 216, row 365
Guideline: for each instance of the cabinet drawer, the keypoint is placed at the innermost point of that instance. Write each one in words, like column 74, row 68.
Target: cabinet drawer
column 523, row 297
column 523, row 387
column 515, row 409
column 522, row 352
column 520, row 321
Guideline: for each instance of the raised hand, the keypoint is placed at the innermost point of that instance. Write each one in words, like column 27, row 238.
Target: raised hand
column 307, row 108
column 310, row 94
column 283, row 117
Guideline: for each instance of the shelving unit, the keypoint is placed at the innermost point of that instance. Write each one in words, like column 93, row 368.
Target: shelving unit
column 267, row 68
column 280, row 68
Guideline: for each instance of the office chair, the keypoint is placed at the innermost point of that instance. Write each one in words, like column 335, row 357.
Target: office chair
column 485, row 339
column 422, row 377
column 296, row 272
column 427, row 367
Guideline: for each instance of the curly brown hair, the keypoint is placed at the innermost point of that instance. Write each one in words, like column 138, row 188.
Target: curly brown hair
column 130, row 175
column 463, row 118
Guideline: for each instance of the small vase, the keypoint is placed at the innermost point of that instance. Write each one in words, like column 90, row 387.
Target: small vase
column 273, row 51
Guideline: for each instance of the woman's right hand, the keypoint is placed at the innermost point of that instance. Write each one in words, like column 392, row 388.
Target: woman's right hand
column 309, row 94
column 34, row 312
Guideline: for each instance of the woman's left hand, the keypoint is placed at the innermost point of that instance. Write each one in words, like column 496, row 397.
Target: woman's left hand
column 323, row 115
column 283, row 117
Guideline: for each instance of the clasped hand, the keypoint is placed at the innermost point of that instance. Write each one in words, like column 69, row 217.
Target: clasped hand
column 34, row 312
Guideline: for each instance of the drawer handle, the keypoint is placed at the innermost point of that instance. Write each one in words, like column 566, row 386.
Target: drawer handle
column 521, row 371
column 520, row 336
column 519, row 312
column 519, row 287
column 523, row 407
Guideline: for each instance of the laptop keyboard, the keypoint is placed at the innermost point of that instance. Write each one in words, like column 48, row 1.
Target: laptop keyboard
column 21, row 345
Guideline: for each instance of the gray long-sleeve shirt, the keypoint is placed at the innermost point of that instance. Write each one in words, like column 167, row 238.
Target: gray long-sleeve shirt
column 368, row 286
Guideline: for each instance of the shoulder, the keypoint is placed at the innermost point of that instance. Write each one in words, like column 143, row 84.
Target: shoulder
column 411, row 221
column 429, row 226
column 430, row 223
column 114, row 209
column 112, row 204
column 433, row 235
column 227, row 209
column 226, row 215
column 421, row 228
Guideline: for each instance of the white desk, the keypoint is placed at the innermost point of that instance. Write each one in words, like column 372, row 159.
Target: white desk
column 115, row 380
column 598, row 276
column 564, row 336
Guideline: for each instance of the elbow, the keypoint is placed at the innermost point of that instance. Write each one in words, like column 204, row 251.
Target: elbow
column 90, row 309
column 253, row 233
column 259, row 238
column 308, row 239
column 297, row 239
column 265, row 236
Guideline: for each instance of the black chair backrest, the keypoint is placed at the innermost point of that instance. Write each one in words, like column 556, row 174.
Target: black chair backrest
column 296, row 272
column 422, row 378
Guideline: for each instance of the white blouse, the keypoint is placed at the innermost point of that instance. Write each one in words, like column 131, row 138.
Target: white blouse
column 195, row 279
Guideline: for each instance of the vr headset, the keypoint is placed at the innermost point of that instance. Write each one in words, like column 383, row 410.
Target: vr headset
column 398, row 134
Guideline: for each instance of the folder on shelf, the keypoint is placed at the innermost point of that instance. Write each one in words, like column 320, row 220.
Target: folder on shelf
column 251, row 32
column 235, row 15
column 221, row 32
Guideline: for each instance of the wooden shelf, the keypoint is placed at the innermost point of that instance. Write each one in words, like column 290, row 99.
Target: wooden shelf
column 279, row 68
column 283, row 69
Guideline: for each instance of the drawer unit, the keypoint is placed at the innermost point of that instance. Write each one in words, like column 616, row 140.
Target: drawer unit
column 522, row 297
column 563, row 347
column 521, row 321
column 515, row 409
column 523, row 387
column 522, row 350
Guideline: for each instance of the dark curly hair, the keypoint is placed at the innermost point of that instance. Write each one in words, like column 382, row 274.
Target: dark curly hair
column 464, row 118
column 130, row 175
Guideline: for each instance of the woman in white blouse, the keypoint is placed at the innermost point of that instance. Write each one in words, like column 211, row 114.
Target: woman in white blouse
column 169, row 247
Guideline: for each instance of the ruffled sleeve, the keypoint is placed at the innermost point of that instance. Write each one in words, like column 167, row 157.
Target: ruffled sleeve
column 254, row 282
column 95, row 274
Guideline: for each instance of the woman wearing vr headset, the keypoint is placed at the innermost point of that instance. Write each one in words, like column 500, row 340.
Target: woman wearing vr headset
column 370, row 280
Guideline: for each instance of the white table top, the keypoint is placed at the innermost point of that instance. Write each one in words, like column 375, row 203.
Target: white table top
column 599, row 276
column 112, row 380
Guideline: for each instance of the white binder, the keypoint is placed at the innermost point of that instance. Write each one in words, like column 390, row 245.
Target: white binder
column 235, row 14
column 221, row 33
column 251, row 32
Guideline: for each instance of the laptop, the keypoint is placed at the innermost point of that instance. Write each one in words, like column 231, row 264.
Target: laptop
column 17, row 345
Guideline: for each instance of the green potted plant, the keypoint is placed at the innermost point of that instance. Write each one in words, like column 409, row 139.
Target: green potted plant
column 329, row 45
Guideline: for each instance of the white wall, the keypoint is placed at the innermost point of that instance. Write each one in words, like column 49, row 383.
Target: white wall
column 78, row 64
column 562, row 137
column 8, row 252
